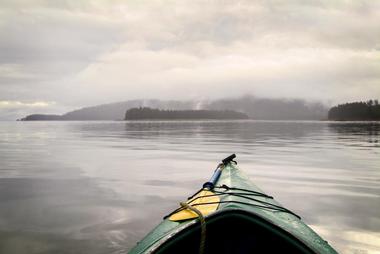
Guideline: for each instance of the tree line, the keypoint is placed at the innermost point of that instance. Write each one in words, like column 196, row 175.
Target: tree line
column 156, row 114
column 356, row 111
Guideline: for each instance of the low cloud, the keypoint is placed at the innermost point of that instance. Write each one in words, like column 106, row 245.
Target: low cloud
column 18, row 104
column 10, row 110
column 80, row 53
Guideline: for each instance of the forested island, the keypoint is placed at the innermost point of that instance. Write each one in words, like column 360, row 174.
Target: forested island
column 41, row 117
column 145, row 113
column 356, row 111
column 254, row 107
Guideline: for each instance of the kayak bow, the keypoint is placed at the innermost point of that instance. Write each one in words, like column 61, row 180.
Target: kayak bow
column 239, row 218
column 206, row 201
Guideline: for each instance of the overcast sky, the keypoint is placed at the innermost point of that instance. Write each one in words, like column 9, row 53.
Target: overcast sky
column 59, row 55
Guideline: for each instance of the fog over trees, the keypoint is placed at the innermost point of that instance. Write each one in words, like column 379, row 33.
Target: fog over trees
column 155, row 114
column 255, row 108
column 273, row 109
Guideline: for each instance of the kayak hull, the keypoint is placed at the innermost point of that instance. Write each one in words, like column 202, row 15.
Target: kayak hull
column 260, row 228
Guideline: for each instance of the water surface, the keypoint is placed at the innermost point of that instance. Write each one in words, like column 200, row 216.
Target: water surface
column 98, row 187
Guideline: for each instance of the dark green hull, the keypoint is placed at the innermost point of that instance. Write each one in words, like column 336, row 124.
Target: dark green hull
column 238, row 226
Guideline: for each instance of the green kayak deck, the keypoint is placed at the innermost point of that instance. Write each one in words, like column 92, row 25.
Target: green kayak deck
column 239, row 225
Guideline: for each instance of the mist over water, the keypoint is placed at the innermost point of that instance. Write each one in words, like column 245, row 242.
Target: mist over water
column 99, row 187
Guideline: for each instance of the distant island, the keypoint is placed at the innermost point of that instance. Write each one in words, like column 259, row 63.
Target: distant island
column 254, row 107
column 41, row 117
column 356, row 111
column 145, row 113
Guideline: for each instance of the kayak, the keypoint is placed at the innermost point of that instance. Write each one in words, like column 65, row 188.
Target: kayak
column 229, row 214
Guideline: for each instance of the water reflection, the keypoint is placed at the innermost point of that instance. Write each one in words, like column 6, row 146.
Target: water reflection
column 80, row 187
column 358, row 132
column 242, row 130
column 356, row 128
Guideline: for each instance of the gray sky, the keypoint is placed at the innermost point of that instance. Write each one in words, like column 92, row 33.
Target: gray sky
column 59, row 55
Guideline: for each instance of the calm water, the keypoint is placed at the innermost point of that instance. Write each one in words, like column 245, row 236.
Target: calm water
column 98, row 187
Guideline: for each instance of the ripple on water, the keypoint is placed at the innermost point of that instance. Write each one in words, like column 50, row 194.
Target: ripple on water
column 98, row 187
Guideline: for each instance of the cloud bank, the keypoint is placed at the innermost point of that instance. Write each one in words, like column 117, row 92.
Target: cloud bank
column 77, row 53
